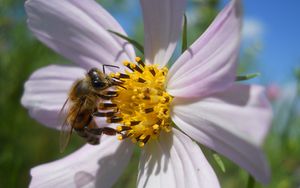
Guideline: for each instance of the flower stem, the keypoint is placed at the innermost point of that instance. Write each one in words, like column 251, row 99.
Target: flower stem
column 251, row 182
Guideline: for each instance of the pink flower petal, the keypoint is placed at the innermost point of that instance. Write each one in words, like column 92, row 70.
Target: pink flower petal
column 78, row 30
column 162, row 25
column 46, row 91
column 175, row 161
column 209, row 64
column 91, row 166
column 233, row 123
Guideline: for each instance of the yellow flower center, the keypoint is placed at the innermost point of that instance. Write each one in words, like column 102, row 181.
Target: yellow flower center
column 142, row 102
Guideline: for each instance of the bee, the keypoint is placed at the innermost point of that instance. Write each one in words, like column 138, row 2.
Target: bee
column 82, row 105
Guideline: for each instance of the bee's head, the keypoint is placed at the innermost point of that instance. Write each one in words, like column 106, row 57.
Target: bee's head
column 98, row 79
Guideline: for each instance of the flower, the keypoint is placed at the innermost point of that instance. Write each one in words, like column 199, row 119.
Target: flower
column 202, row 97
column 273, row 92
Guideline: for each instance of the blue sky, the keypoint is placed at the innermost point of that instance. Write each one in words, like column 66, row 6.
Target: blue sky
column 280, row 34
column 275, row 24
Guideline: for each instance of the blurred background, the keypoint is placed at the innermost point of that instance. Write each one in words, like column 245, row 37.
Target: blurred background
column 271, row 46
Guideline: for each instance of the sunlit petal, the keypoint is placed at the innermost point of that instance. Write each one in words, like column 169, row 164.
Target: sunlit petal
column 233, row 123
column 78, row 30
column 175, row 161
column 46, row 91
column 162, row 25
column 209, row 65
column 90, row 166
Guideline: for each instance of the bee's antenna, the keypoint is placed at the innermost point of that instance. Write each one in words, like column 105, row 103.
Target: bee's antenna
column 105, row 65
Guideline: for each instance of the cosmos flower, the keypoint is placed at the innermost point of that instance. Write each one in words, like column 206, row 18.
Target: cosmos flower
column 198, row 93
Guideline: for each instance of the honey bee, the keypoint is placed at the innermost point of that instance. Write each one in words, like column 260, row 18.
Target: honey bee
column 82, row 105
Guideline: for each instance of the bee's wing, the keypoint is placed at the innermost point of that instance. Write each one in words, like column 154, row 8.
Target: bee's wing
column 66, row 129
column 65, row 135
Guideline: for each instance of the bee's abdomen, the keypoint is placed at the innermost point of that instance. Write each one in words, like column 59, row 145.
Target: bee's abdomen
column 80, row 119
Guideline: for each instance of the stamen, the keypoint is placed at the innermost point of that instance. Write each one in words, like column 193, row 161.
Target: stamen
column 152, row 71
column 123, row 128
column 123, row 136
column 155, row 126
column 137, row 68
column 133, row 123
column 127, row 64
column 146, row 98
column 139, row 61
column 124, row 75
column 148, row 110
column 141, row 80
column 143, row 108
column 114, row 119
column 141, row 144
column 146, row 139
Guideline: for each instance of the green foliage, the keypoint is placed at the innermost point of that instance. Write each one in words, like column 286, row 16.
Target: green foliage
column 205, row 11
column 219, row 161
column 246, row 77
column 251, row 182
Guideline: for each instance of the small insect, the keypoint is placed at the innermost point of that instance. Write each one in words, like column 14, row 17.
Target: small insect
column 82, row 105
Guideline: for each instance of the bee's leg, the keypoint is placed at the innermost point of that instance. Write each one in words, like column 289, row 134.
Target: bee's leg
column 109, row 131
column 107, row 106
column 107, row 95
column 110, row 93
column 96, row 131
column 103, row 114
column 88, row 136
column 118, row 83
column 104, row 130
column 114, row 119
column 81, row 132
column 92, row 138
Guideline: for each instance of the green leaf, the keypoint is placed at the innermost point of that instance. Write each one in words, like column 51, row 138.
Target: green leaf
column 131, row 41
column 219, row 161
column 184, row 35
column 247, row 76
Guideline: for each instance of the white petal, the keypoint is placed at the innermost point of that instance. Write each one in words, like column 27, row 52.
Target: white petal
column 90, row 166
column 78, row 30
column 233, row 123
column 175, row 161
column 46, row 91
column 162, row 25
column 209, row 65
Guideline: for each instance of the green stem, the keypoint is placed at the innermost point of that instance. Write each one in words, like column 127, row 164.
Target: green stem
column 251, row 182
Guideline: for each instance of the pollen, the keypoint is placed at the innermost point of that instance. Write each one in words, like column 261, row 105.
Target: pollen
column 142, row 102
